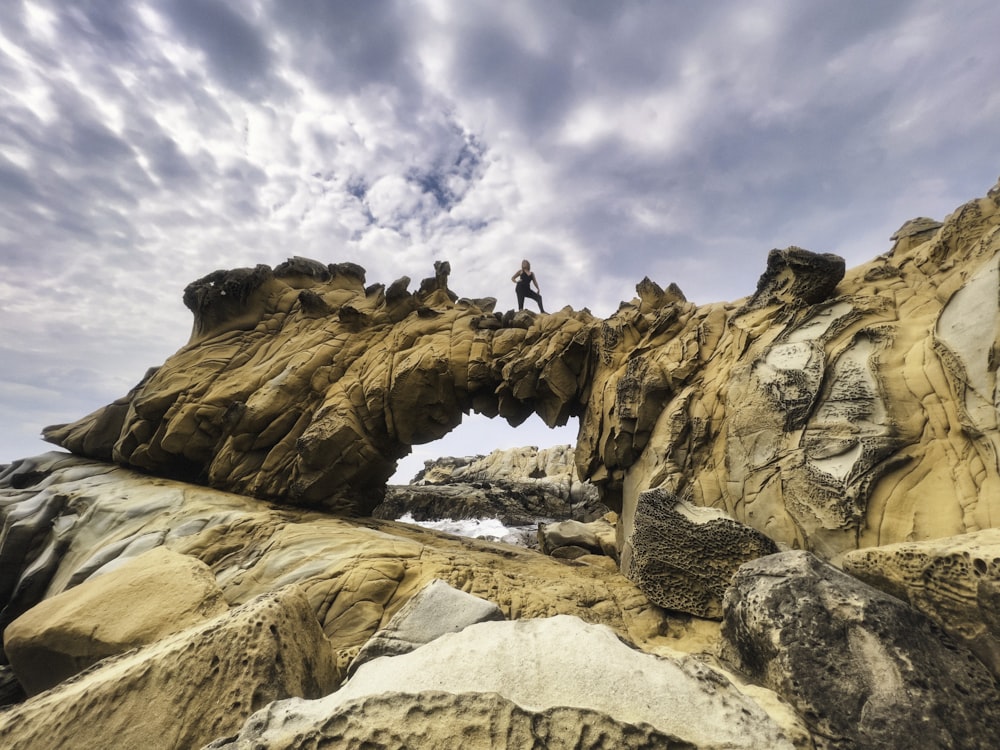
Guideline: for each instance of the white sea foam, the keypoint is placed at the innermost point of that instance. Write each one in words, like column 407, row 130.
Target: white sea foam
column 476, row 528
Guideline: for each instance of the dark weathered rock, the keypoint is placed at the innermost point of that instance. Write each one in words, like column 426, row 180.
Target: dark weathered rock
column 684, row 557
column 954, row 580
column 862, row 667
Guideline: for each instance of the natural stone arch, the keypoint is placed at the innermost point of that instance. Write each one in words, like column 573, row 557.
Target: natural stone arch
column 829, row 410
column 301, row 384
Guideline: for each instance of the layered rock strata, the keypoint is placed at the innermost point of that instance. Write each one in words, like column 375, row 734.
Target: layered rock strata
column 518, row 486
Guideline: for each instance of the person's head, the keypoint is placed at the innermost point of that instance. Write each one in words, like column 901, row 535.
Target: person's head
column 525, row 265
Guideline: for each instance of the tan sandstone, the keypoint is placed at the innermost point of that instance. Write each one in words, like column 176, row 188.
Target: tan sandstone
column 146, row 598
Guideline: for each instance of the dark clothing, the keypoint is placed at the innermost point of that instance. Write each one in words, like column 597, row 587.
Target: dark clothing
column 530, row 294
column 524, row 282
column 524, row 290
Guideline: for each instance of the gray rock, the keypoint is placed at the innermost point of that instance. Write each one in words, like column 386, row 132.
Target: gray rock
column 435, row 610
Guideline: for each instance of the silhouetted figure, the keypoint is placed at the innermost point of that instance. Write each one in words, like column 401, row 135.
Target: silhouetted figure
column 524, row 278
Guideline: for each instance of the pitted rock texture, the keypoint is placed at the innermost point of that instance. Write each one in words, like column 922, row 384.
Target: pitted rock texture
column 186, row 689
column 955, row 581
column 821, row 411
column 863, row 668
column 684, row 557
column 105, row 615
column 464, row 721
column 541, row 664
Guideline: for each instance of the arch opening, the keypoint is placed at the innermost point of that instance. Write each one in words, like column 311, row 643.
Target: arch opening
column 479, row 435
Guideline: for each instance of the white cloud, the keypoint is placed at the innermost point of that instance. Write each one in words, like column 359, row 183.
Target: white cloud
column 144, row 146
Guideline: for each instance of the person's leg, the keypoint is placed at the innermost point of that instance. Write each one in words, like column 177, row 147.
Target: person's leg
column 520, row 300
column 537, row 297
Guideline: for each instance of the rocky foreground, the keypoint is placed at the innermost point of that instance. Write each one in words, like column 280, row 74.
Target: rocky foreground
column 806, row 546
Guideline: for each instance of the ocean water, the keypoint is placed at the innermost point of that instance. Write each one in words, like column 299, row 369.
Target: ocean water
column 480, row 528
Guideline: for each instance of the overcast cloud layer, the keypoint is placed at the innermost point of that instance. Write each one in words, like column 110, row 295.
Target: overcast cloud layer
column 146, row 144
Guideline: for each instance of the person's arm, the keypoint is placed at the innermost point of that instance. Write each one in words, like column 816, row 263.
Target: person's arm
column 514, row 277
column 534, row 280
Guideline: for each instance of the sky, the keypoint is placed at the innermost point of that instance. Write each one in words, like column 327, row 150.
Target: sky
column 145, row 144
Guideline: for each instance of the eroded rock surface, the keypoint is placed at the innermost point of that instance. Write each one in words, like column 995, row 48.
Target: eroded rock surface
column 186, row 689
column 862, row 667
column 820, row 411
column 570, row 663
column 684, row 557
column 518, row 486
column 458, row 721
column 134, row 604
column 955, row 581
column 356, row 574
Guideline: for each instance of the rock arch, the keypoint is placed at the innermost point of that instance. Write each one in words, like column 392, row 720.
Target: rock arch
column 828, row 410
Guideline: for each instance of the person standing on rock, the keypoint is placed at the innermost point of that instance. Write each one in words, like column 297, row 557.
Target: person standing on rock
column 524, row 278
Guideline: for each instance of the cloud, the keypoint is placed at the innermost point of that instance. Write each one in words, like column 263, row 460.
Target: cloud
column 144, row 145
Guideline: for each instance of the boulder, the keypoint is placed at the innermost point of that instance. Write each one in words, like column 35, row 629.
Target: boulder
column 863, row 668
column 151, row 596
column 597, row 537
column 683, row 557
column 185, row 689
column 435, row 610
column 955, row 581
column 539, row 665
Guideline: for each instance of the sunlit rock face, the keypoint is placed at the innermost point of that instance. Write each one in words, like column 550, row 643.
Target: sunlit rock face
column 832, row 409
column 356, row 575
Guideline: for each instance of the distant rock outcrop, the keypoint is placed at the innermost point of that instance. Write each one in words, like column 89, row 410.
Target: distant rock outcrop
column 518, row 486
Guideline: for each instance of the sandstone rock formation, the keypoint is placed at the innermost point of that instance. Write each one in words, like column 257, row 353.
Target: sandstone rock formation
column 684, row 557
column 104, row 616
column 578, row 665
column 848, row 416
column 862, row 668
column 830, row 410
column 351, row 578
column 955, row 581
column 357, row 575
column 187, row 688
column 518, row 486
column 465, row 721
